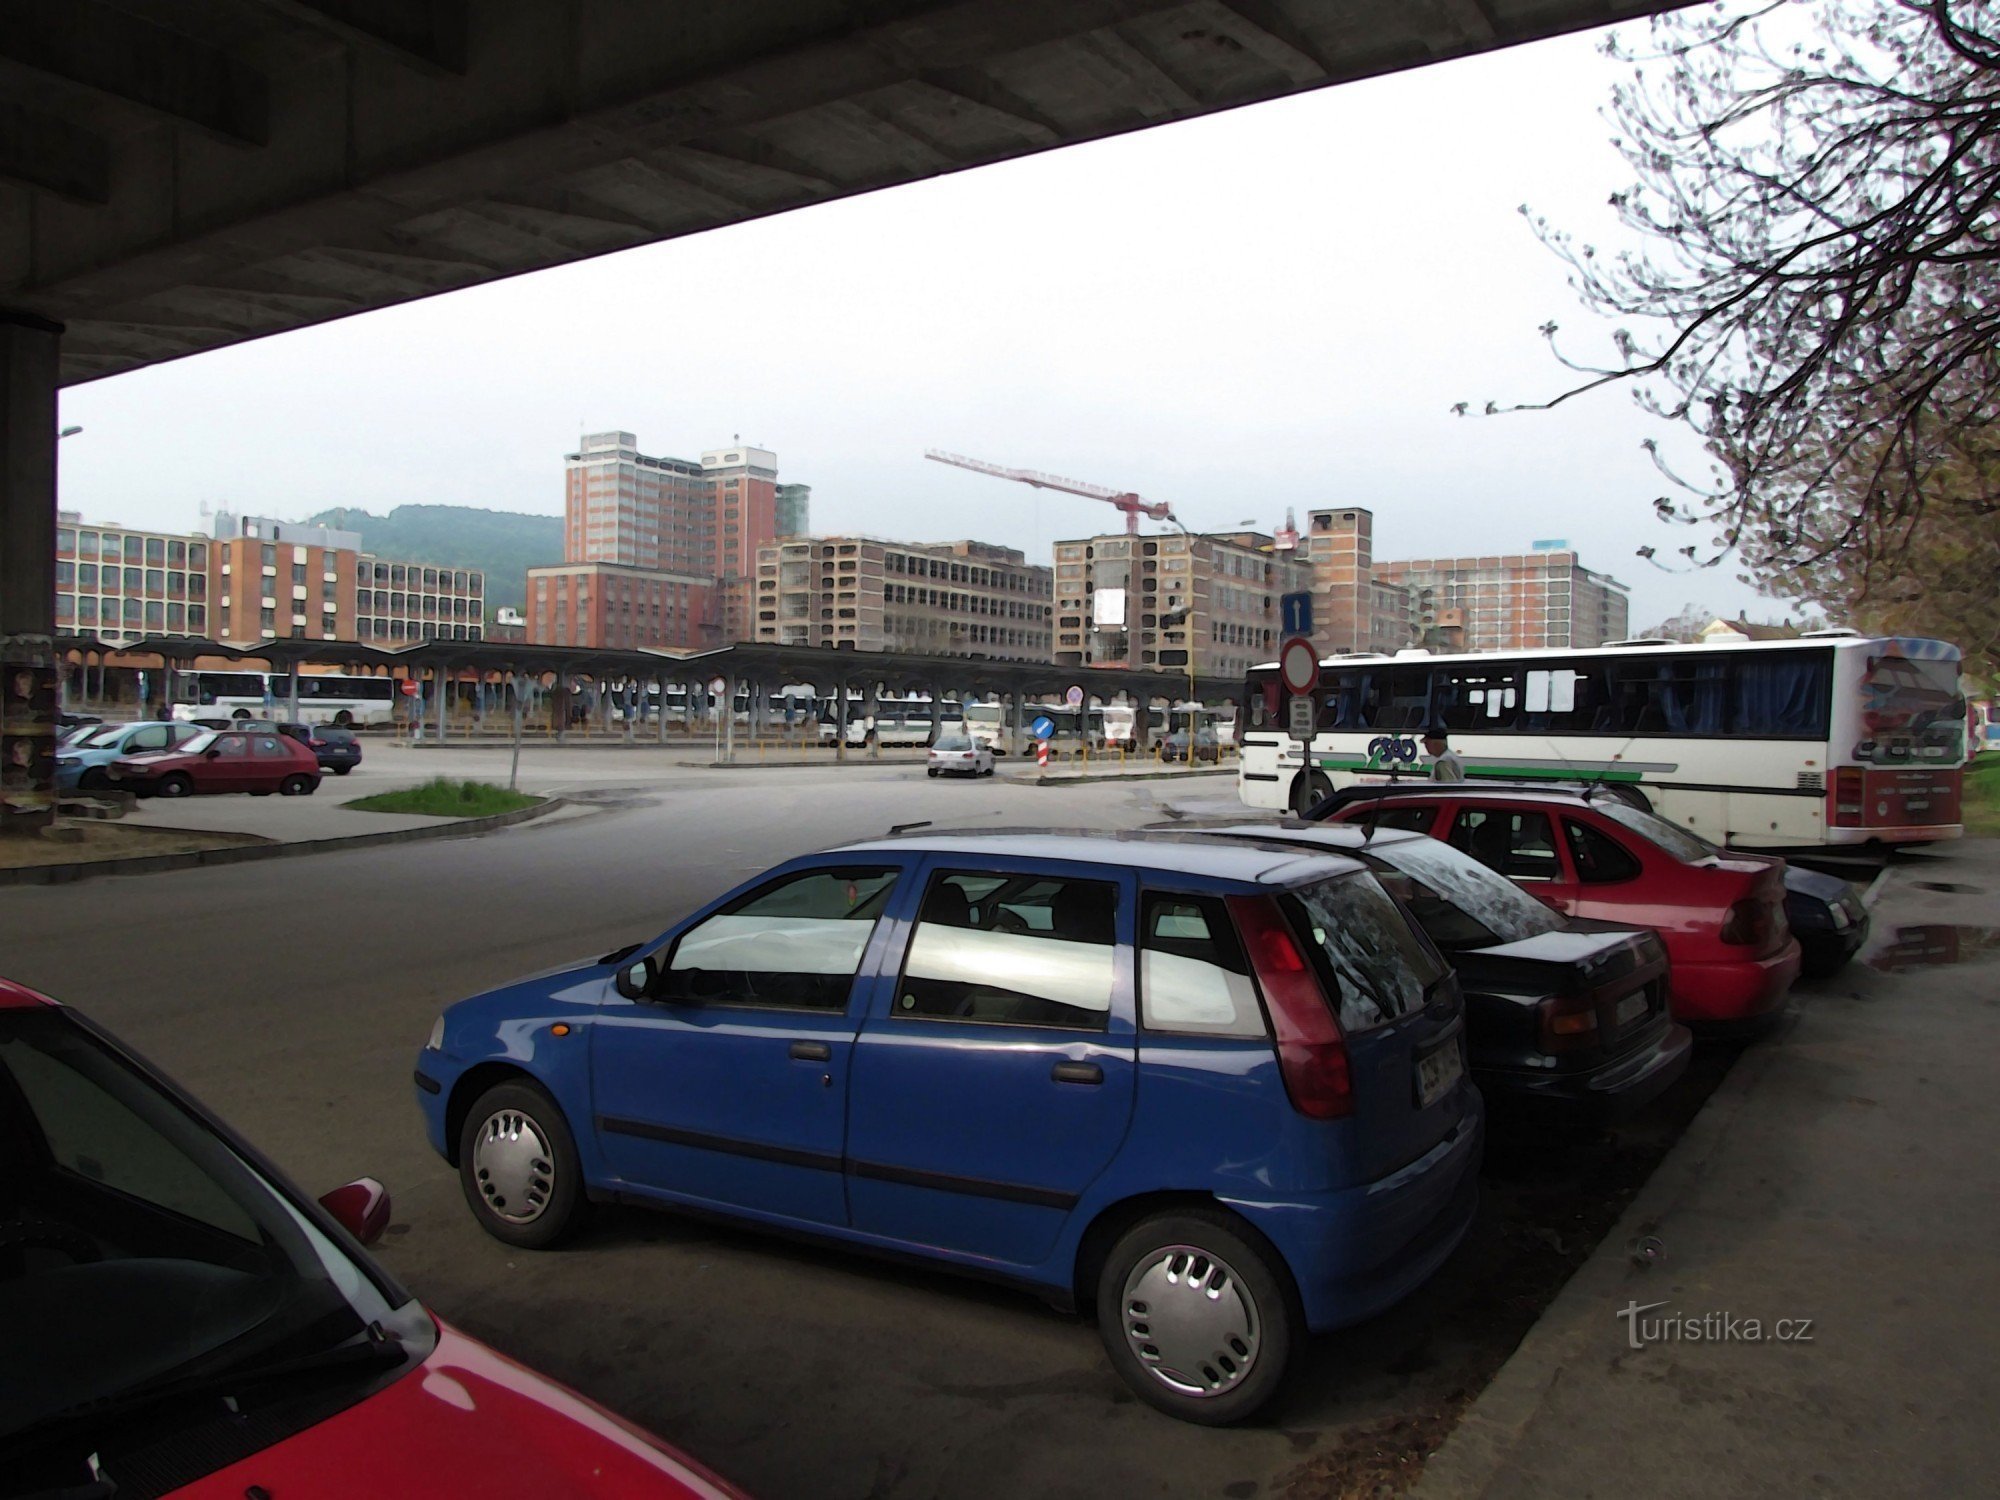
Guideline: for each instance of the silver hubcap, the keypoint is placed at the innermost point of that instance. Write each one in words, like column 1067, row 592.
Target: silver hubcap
column 1191, row 1321
column 514, row 1167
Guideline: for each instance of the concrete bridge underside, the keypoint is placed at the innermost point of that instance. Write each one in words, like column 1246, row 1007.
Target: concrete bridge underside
column 181, row 175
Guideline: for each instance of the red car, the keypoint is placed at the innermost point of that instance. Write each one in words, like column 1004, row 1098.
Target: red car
column 257, row 761
column 1721, row 913
column 178, row 1319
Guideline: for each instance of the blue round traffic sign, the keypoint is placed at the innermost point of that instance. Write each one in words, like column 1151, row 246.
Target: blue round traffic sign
column 1043, row 727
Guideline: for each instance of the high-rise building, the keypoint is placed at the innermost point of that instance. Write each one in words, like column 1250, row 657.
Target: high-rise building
column 1514, row 602
column 1148, row 602
column 677, row 516
column 863, row 594
column 1339, row 546
column 794, row 509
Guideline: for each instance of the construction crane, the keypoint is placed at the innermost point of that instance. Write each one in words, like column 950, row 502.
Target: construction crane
column 1129, row 503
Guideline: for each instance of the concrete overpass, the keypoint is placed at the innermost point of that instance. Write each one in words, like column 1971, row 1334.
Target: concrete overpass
column 180, row 175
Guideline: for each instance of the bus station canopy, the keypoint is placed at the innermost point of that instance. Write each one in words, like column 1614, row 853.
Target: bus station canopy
column 766, row 665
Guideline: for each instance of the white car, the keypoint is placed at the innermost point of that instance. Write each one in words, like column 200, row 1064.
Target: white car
column 960, row 755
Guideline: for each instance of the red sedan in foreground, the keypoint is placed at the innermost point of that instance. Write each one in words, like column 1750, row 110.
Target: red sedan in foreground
column 1721, row 913
column 178, row 1319
column 258, row 762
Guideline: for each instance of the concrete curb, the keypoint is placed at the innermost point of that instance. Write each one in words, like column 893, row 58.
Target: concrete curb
column 147, row 864
column 1581, row 1318
column 1088, row 780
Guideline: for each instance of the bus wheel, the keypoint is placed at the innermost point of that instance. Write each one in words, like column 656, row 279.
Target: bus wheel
column 344, row 719
column 1309, row 788
column 241, row 713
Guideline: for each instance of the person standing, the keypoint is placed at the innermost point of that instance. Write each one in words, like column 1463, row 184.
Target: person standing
column 1445, row 764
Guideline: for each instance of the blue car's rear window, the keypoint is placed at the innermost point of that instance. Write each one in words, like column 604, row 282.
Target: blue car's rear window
column 1377, row 966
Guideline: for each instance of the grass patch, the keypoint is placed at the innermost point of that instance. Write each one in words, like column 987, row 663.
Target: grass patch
column 1982, row 796
column 442, row 797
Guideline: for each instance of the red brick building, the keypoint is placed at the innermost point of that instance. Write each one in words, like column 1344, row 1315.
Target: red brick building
column 605, row 604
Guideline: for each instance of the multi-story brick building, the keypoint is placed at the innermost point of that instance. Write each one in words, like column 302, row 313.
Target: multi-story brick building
column 676, row 516
column 120, row 583
column 1150, row 601
column 396, row 602
column 865, row 594
column 606, row 604
column 794, row 512
column 626, row 507
column 1514, row 602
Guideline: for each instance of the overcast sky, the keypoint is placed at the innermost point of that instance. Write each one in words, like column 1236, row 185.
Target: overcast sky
column 1272, row 307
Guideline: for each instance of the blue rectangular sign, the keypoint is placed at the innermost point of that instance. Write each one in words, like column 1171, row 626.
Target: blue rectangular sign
column 1296, row 613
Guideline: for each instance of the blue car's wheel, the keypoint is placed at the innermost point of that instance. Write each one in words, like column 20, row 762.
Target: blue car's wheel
column 1199, row 1315
column 518, row 1165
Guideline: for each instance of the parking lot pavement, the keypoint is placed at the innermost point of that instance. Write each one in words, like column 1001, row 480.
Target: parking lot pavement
column 1843, row 1178
column 292, row 997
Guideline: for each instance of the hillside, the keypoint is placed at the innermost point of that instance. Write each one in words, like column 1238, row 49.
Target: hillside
column 503, row 544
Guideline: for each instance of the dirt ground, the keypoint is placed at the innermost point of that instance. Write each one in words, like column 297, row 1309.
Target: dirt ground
column 77, row 841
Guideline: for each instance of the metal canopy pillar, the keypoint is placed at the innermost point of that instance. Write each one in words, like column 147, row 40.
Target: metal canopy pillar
column 29, row 350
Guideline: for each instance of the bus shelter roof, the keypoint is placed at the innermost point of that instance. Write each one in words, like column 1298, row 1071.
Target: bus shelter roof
column 894, row 671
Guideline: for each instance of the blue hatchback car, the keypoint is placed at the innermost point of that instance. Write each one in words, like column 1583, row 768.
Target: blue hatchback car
column 1216, row 1091
column 80, row 764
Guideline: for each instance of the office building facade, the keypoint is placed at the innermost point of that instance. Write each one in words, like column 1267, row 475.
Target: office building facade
column 1172, row 602
column 1513, row 602
column 859, row 593
column 621, row 608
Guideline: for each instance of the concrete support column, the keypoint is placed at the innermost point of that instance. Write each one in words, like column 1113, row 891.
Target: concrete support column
column 840, row 689
column 441, row 677
column 660, row 684
column 29, row 348
column 729, row 719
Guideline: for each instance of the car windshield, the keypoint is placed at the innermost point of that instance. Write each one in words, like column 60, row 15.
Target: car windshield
column 141, row 1250
column 954, row 742
column 199, row 743
column 1688, row 848
column 1460, row 902
column 97, row 734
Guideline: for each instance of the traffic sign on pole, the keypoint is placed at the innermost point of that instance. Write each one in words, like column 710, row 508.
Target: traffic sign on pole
column 1299, row 717
column 1074, row 697
column 1042, row 727
column 1295, row 613
column 1298, row 665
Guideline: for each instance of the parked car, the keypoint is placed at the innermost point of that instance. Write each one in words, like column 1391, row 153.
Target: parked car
column 959, row 755
column 180, row 1319
column 82, row 763
column 242, row 721
column 1823, row 911
column 71, row 727
column 1214, row 1089
column 1563, row 1014
column 1721, row 913
column 1206, row 747
column 254, row 762
column 337, row 750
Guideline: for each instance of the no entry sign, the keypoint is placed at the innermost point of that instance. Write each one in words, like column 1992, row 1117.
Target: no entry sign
column 1298, row 665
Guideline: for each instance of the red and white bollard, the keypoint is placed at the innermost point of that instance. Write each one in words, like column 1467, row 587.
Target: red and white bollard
column 1042, row 754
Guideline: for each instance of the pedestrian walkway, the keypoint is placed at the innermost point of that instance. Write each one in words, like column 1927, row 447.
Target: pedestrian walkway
column 1823, row 1315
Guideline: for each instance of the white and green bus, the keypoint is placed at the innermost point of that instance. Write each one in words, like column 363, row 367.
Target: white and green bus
column 1832, row 738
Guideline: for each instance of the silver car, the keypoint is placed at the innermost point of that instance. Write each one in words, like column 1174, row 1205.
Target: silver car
column 960, row 755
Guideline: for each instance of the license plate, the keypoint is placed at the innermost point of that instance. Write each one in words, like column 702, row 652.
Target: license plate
column 1632, row 1007
column 1437, row 1071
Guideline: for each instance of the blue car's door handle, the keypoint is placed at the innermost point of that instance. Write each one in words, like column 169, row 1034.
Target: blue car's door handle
column 1076, row 1072
column 811, row 1051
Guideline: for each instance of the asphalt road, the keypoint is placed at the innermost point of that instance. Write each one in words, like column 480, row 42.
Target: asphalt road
column 293, row 997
